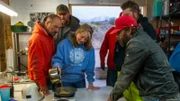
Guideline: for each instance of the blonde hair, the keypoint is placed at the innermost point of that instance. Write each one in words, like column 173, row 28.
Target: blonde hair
column 86, row 29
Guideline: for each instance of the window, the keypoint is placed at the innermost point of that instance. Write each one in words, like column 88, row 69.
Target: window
column 101, row 18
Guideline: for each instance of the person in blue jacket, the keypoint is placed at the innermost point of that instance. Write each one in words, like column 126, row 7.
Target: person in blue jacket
column 175, row 64
column 75, row 57
column 175, row 58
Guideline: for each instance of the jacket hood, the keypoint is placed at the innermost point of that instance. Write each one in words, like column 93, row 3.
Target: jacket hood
column 38, row 29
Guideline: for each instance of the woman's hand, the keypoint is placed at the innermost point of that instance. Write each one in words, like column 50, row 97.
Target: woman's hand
column 92, row 87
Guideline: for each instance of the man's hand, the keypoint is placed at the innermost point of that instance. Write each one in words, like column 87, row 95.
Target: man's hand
column 44, row 90
column 103, row 66
column 109, row 99
column 92, row 87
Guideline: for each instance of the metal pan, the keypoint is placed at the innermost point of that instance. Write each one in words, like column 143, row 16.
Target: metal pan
column 71, row 92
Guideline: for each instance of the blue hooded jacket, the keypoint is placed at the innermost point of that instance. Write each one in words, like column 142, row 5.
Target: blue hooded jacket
column 175, row 58
column 74, row 61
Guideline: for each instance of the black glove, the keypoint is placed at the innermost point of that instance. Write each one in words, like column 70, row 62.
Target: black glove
column 102, row 66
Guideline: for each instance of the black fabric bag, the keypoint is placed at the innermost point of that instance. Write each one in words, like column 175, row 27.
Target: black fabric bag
column 147, row 27
column 119, row 55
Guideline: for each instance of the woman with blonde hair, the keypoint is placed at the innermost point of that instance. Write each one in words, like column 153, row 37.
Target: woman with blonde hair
column 75, row 57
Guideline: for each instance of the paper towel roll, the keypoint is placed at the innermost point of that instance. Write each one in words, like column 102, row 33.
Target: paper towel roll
column 10, row 61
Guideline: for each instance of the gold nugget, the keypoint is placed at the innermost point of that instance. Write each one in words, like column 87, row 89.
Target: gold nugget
column 63, row 93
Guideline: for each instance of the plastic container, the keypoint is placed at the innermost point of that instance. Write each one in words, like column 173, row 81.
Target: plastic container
column 19, row 28
column 5, row 92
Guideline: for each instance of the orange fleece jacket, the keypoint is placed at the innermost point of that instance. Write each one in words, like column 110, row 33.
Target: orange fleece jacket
column 40, row 52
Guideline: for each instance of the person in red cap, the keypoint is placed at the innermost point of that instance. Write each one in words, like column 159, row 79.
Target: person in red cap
column 145, row 64
column 107, row 47
column 132, row 8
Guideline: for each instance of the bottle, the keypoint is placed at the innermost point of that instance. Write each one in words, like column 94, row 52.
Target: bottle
column 12, row 86
column 12, row 91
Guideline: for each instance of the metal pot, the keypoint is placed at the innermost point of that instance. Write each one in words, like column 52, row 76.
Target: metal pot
column 55, row 75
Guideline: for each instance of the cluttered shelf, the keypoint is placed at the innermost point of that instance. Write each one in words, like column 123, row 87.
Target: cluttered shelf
column 167, row 13
column 169, row 33
column 20, row 49
column 23, row 52
column 169, row 37
column 173, row 37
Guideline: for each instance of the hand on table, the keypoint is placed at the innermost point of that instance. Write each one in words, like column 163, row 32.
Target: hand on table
column 92, row 87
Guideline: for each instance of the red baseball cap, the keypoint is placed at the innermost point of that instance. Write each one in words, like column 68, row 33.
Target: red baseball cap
column 123, row 22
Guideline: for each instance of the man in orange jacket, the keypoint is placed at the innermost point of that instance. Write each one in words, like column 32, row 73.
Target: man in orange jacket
column 41, row 50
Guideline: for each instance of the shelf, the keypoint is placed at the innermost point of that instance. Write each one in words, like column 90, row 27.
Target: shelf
column 171, row 40
column 177, row 35
column 20, row 42
column 22, row 55
column 28, row 33
column 171, row 35
column 173, row 16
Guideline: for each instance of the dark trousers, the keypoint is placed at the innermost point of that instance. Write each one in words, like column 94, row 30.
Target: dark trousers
column 111, row 77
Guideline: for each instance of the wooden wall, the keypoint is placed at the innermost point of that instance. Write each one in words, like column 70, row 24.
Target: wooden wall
column 5, row 37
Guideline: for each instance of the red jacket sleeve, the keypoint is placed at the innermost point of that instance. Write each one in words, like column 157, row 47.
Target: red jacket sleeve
column 36, row 62
column 104, row 47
